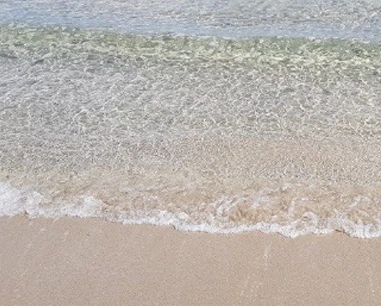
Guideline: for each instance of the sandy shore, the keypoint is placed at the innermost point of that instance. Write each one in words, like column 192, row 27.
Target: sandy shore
column 93, row 262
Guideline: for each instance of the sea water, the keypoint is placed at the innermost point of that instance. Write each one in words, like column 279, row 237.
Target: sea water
column 212, row 116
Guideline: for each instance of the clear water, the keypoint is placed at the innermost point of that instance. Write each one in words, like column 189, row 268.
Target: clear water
column 194, row 115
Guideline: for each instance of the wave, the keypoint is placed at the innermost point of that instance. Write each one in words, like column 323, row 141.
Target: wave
column 223, row 216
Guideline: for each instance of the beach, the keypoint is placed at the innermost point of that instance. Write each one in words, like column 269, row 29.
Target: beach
column 190, row 153
column 72, row 261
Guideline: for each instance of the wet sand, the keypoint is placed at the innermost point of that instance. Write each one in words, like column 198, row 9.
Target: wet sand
column 93, row 262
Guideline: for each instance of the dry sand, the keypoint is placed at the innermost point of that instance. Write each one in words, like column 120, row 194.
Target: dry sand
column 93, row 262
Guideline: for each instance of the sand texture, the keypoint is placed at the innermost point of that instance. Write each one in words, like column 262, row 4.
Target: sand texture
column 93, row 262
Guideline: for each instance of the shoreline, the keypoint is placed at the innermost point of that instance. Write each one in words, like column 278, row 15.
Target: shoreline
column 72, row 261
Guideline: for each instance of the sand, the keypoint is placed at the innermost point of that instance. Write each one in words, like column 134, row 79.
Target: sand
column 93, row 262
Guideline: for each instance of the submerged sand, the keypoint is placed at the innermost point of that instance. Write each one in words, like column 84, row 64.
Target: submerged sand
column 72, row 261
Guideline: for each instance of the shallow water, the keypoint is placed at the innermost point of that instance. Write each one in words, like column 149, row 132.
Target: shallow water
column 202, row 133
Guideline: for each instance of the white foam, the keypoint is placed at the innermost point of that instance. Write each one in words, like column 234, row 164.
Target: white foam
column 15, row 201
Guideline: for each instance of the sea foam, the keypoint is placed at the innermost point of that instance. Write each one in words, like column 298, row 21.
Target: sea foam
column 14, row 201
